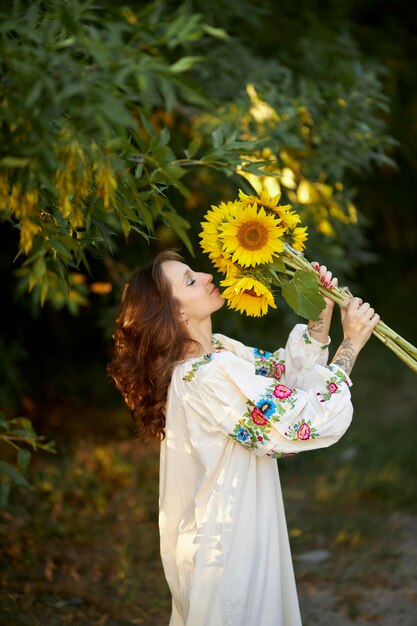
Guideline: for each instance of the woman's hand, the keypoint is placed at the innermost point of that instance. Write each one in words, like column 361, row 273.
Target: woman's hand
column 358, row 322
column 319, row 329
column 329, row 281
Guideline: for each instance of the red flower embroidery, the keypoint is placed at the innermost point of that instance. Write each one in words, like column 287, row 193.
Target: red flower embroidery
column 332, row 387
column 258, row 417
column 281, row 391
column 303, row 431
column 279, row 370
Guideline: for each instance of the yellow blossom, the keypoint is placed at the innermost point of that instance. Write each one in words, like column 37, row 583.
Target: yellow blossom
column 4, row 191
column 260, row 110
column 248, row 295
column 73, row 181
column 299, row 236
column 106, row 183
column 251, row 236
column 210, row 242
column 27, row 235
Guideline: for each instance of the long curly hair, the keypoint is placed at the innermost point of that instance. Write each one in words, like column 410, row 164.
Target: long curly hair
column 148, row 342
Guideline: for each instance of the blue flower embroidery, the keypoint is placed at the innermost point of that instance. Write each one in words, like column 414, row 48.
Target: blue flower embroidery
column 263, row 370
column 263, row 354
column 266, row 406
column 242, row 434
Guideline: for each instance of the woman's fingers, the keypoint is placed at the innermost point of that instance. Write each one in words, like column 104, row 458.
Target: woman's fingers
column 325, row 275
column 355, row 303
column 375, row 319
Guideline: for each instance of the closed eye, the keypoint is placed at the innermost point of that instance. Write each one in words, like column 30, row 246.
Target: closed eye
column 190, row 281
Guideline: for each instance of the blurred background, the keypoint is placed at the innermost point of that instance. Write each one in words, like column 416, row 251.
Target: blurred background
column 120, row 126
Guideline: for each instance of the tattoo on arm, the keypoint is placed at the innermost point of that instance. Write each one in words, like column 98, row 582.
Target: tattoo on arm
column 316, row 327
column 345, row 355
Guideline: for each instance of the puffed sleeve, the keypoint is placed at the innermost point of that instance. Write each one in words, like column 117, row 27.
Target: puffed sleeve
column 268, row 417
column 285, row 364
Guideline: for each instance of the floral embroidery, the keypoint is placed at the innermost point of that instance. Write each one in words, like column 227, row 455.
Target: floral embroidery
column 261, row 354
column 306, row 337
column 206, row 358
column 253, row 428
column 263, row 370
column 266, row 406
column 279, row 455
column 216, row 342
column 307, row 340
column 281, row 391
column 267, row 364
column 302, row 430
column 333, row 384
column 258, row 418
column 279, row 369
column 243, row 434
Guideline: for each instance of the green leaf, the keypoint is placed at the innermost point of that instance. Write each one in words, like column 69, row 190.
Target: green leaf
column 192, row 148
column 39, row 269
column 164, row 136
column 14, row 162
column 179, row 225
column 302, row 295
column 185, row 64
column 278, row 265
column 4, row 493
column 280, row 280
column 218, row 33
column 13, row 474
column 3, row 424
column 218, row 136
column 23, row 459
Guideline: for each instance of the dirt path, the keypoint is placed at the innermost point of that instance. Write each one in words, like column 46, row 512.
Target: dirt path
column 367, row 592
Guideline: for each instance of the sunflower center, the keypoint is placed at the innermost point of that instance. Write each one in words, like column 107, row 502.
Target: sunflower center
column 250, row 292
column 252, row 235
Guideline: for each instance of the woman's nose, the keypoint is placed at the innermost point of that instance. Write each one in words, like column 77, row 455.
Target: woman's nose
column 209, row 278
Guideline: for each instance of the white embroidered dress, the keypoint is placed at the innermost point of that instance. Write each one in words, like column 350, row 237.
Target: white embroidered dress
column 230, row 414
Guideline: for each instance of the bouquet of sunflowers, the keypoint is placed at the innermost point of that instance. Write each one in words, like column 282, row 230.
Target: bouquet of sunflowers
column 258, row 245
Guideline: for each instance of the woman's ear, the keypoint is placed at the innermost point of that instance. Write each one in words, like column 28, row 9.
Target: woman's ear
column 183, row 316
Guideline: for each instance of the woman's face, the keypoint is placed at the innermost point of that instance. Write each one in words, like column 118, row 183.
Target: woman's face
column 197, row 295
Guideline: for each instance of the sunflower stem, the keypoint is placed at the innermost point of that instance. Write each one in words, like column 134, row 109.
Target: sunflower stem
column 342, row 296
column 398, row 351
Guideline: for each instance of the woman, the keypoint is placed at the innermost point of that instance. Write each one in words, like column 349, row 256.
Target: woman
column 224, row 412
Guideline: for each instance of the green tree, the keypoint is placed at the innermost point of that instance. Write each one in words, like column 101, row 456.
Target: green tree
column 106, row 110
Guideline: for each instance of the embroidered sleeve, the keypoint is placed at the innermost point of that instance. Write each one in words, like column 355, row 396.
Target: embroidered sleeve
column 270, row 418
column 284, row 364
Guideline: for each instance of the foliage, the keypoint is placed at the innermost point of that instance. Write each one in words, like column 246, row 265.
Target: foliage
column 20, row 435
column 12, row 382
column 105, row 109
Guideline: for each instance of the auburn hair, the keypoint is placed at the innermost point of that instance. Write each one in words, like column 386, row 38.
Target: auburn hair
column 149, row 341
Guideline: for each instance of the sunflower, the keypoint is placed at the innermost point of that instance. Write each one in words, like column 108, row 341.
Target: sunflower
column 299, row 236
column 288, row 219
column 265, row 200
column 248, row 295
column 251, row 236
column 210, row 242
